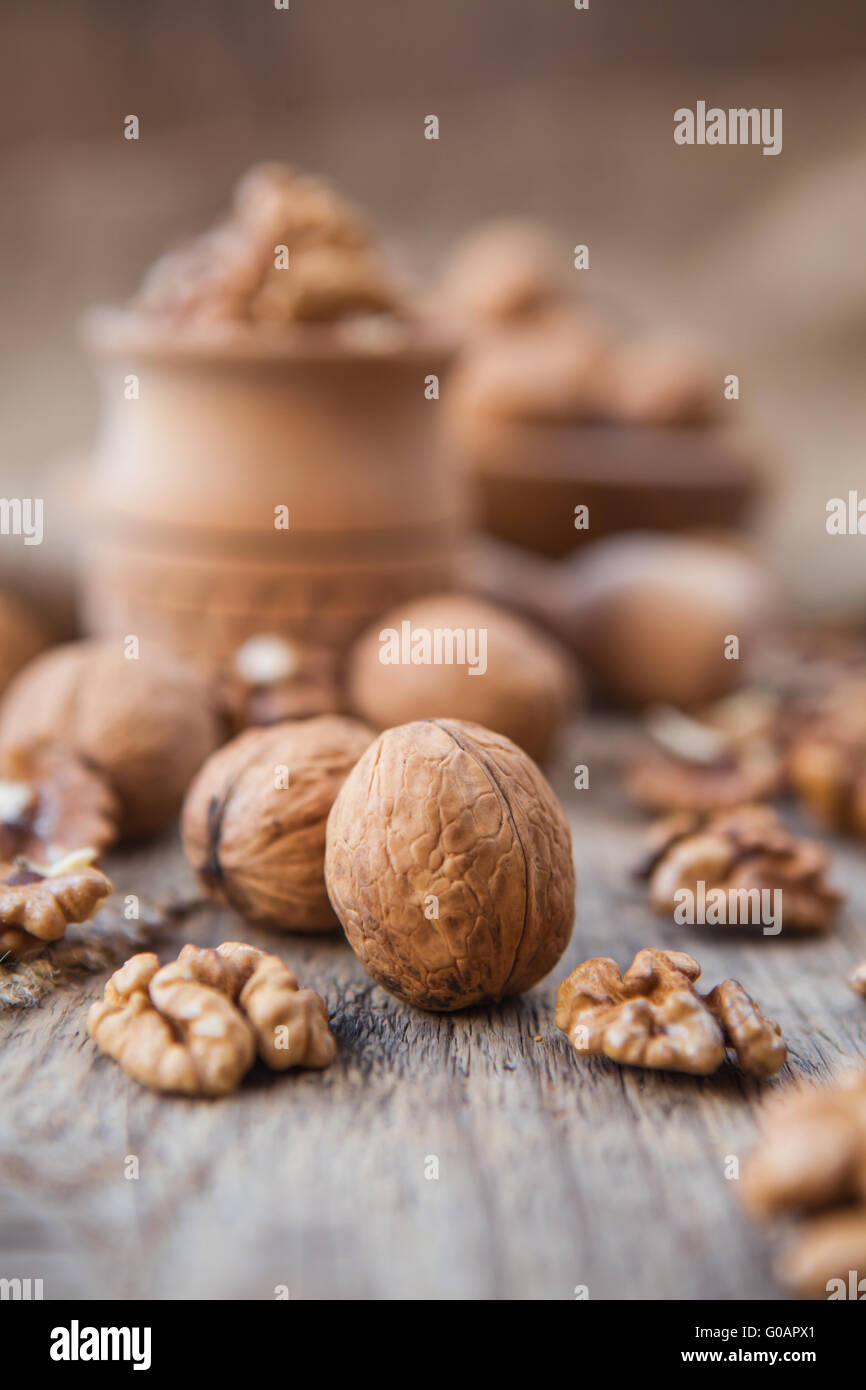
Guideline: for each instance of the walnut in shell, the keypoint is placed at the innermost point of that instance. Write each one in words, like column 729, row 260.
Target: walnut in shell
column 145, row 725
column 194, row 1026
column 449, row 865
column 253, row 821
column 744, row 852
column 489, row 667
column 652, row 1016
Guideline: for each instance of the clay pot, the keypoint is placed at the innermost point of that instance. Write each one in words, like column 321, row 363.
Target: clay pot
column 231, row 424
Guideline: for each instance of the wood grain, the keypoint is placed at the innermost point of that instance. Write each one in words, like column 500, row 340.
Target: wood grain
column 553, row 1173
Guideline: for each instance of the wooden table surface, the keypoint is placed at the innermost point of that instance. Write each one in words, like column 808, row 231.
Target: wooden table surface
column 553, row 1173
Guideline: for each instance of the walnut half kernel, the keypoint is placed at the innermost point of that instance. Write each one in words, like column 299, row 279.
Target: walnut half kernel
column 37, row 902
column 194, row 1026
column 652, row 1016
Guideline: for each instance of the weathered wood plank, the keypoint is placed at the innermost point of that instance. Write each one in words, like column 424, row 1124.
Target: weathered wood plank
column 552, row 1172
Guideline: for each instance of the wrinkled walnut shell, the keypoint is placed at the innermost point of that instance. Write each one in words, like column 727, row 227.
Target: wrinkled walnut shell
column 145, row 725
column 256, row 838
column 449, row 865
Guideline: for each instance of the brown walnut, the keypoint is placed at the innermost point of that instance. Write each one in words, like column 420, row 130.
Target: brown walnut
column 524, row 693
column 449, row 865
column 272, row 679
column 22, row 637
column 652, row 1016
column 253, row 822
column 52, row 803
column 697, row 766
column 194, row 1026
column 741, row 851
column 144, row 725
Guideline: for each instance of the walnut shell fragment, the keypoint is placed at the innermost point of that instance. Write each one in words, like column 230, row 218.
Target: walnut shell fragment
column 253, row 822
column 194, row 1026
column 145, row 724
column 652, row 1016
column 682, row 778
column 37, row 904
column 449, row 865
column 50, row 803
column 742, row 852
column 827, row 759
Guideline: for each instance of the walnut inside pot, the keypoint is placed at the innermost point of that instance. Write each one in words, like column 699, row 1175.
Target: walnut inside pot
column 253, row 822
column 742, row 851
column 449, row 865
column 652, row 1016
column 327, row 270
column 37, row 903
column 465, row 659
column 194, row 1026
column 144, row 725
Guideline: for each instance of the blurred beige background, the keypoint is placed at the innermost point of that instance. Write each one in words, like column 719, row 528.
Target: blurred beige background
column 545, row 111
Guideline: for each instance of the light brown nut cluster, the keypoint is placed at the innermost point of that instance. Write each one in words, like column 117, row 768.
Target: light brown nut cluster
column 449, row 865
column 37, row 904
column 741, row 852
column 652, row 1016
column 254, row 819
column 811, row 1158
column 235, row 272
column 194, row 1026
column 827, row 759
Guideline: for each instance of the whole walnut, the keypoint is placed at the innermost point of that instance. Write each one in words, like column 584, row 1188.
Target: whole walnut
column 493, row 668
column 651, row 616
column 144, row 724
column 253, row 821
column 449, row 864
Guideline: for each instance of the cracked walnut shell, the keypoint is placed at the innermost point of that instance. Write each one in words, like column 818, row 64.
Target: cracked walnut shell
column 144, row 725
column 253, row 821
column 652, row 1016
column 449, row 865
column 37, row 904
column 743, row 851
column 194, row 1026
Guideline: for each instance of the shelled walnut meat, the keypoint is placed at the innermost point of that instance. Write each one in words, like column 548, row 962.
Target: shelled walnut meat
column 37, row 903
column 253, row 821
column 143, row 724
column 696, row 767
column 810, row 1161
column 652, row 1016
column 827, row 759
column 51, row 804
column 741, row 852
column 460, row 657
column 194, row 1026
column 449, row 864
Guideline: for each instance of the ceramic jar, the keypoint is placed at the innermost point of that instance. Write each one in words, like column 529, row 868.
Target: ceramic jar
column 291, row 483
